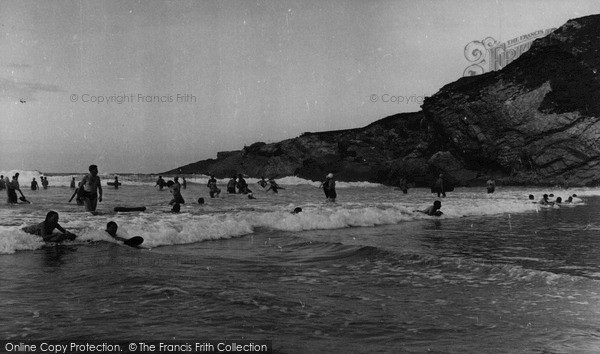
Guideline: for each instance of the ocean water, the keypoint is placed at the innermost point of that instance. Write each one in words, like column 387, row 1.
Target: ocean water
column 367, row 274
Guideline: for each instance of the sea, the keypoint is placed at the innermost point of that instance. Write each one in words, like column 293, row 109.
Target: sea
column 369, row 273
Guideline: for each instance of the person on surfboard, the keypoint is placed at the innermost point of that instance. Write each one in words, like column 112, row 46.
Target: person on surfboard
column 46, row 227
column 111, row 229
column 433, row 210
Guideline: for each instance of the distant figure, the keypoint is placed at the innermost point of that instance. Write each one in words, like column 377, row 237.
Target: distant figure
column 73, row 183
column 34, row 185
column 433, row 210
column 200, row 200
column 46, row 227
column 569, row 200
column 558, row 200
column 242, row 185
column 491, row 186
column 403, row 186
column 273, row 186
column 545, row 201
column 262, row 182
column 213, row 190
column 2, row 183
column 160, row 182
column 184, row 183
column 116, row 182
column 531, row 197
column 576, row 199
column 90, row 189
column 329, row 188
column 175, row 189
column 438, row 187
column 297, row 210
column 44, row 182
column 231, row 185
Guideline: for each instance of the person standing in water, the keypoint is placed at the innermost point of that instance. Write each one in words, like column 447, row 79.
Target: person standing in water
column 231, row 185
column 213, row 190
column 491, row 185
column 438, row 187
column 34, row 185
column 329, row 188
column 73, row 183
column 160, row 182
column 92, row 189
column 12, row 188
column 175, row 189
column 242, row 185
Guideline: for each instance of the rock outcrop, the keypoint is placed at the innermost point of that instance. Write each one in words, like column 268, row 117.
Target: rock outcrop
column 534, row 122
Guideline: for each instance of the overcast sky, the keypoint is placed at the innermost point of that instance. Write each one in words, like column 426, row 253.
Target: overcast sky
column 197, row 77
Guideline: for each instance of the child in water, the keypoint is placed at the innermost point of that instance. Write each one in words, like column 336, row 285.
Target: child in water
column 46, row 227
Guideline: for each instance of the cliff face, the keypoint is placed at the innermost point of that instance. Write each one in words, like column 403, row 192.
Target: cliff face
column 537, row 120
column 534, row 122
column 381, row 152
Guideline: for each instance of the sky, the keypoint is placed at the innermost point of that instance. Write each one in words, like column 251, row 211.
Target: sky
column 148, row 86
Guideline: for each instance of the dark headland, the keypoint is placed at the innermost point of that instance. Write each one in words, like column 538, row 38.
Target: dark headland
column 535, row 122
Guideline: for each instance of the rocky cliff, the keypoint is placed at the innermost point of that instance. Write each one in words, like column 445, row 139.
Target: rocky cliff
column 534, row 122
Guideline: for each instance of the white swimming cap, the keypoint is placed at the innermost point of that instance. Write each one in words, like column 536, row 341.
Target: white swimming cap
column 330, row 175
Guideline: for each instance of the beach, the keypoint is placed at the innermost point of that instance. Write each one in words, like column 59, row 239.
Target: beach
column 494, row 273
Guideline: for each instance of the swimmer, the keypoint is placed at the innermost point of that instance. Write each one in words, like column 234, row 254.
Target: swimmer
column 545, row 201
column 296, row 210
column 577, row 199
column 262, row 182
column 433, row 210
column 46, row 227
column 273, row 186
